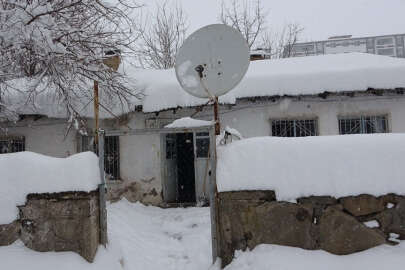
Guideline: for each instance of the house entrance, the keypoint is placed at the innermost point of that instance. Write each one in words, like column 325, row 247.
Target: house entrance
column 180, row 171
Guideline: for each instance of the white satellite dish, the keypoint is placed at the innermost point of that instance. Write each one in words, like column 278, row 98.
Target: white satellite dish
column 213, row 58
column 211, row 62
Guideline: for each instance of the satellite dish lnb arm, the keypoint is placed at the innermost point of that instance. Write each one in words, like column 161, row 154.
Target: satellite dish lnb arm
column 200, row 70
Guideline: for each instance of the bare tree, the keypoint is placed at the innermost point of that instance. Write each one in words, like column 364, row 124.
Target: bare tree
column 249, row 19
column 280, row 45
column 288, row 38
column 162, row 36
column 59, row 47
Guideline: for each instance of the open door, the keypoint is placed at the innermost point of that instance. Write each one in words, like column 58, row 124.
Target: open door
column 170, row 169
column 185, row 168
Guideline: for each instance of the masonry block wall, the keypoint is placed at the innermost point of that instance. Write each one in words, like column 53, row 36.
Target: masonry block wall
column 338, row 225
column 67, row 221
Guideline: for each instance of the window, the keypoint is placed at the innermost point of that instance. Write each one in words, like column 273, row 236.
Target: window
column 294, row 128
column 171, row 146
column 12, row 144
column 385, row 46
column 363, row 124
column 203, row 144
column 111, row 154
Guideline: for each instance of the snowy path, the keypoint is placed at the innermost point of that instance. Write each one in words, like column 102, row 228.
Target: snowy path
column 153, row 238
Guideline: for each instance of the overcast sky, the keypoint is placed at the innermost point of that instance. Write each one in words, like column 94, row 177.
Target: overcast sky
column 320, row 18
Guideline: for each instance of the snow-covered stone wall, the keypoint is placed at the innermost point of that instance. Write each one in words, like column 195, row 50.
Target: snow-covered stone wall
column 339, row 226
column 50, row 204
column 341, row 194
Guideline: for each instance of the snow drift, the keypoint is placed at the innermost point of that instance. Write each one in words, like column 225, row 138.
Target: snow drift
column 327, row 165
column 26, row 172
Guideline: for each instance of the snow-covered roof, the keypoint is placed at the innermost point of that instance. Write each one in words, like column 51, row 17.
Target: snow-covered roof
column 322, row 165
column 276, row 77
column 290, row 76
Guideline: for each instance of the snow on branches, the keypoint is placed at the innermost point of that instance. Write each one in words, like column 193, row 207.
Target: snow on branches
column 59, row 47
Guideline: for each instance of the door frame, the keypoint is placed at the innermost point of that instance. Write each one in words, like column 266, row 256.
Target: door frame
column 164, row 177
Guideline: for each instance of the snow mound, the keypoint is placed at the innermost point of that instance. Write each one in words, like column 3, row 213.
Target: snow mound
column 289, row 258
column 17, row 256
column 26, row 172
column 188, row 122
column 326, row 165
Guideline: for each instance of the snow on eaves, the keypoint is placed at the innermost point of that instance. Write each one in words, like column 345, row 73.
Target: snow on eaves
column 309, row 75
column 188, row 122
column 27, row 96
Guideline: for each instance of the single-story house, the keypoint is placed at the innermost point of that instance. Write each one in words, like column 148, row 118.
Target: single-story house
column 310, row 96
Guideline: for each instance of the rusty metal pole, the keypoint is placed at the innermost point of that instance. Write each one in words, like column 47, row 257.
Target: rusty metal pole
column 215, row 236
column 96, row 111
column 102, row 190
column 216, row 117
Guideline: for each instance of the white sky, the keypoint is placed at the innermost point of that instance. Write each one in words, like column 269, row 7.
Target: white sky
column 320, row 18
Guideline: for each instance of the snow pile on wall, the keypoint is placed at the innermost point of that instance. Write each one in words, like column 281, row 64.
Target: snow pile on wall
column 188, row 122
column 326, row 165
column 290, row 76
column 26, row 172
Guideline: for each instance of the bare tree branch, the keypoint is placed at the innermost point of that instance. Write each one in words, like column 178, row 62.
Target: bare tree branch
column 59, row 47
column 249, row 19
column 162, row 36
column 280, row 45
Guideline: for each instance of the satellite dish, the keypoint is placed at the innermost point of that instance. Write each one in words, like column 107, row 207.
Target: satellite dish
column 212, row 61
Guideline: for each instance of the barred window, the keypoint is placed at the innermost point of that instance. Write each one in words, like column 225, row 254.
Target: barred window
column 363, row 124
column 294, row 128
column 111, row 154
column 12, row 144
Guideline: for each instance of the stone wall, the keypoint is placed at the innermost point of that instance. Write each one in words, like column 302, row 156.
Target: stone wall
column 337, row 225
column 67, row 221
column 144, row 191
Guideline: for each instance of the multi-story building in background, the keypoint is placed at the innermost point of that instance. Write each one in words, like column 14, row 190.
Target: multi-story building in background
column 389, row 45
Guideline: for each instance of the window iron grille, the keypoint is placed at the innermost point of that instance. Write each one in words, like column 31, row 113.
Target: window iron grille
column 363, row 124
column 111, row 154
column 12, row 144
column 202, row 144
column 294, row 128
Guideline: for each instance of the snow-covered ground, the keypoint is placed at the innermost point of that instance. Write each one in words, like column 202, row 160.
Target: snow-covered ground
column 151, row 238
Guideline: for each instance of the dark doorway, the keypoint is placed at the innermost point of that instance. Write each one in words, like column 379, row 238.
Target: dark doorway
column 185, row 168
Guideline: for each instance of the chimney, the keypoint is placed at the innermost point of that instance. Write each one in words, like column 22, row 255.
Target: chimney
column 112, row 59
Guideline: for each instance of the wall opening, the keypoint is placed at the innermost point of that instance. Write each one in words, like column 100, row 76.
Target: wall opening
column 179, row 182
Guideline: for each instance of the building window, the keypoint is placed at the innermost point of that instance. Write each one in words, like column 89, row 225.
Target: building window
column 111, row 154
column 12, row 144
column 202, row 142
column 363, row 124
column 385, row 46
column 171, row 146
column 294, row 128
